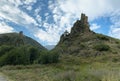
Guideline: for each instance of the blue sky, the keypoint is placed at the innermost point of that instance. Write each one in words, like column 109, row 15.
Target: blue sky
column 46, row 20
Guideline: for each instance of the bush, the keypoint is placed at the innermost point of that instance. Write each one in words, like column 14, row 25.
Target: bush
column 25, row 55
column 54, row 57
column 48, row 57
column 101, row 47
column 22, row 55
column 34, row 54
column 4, row 49
column 102, row 37
column 16, row 56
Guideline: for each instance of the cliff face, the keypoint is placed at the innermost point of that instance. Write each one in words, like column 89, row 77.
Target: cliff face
column 79, row 29
column 81, row 26
column 82, row 41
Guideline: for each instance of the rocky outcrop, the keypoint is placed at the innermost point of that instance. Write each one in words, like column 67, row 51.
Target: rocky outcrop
column 81, row 26
column 84, row 42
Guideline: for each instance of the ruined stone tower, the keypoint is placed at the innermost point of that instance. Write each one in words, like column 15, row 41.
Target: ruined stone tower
column 79, row 29
column 20, row 40
column 84, row 19
column 81, row 26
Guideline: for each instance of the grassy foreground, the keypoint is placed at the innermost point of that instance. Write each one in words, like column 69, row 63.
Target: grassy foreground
column 70, row 68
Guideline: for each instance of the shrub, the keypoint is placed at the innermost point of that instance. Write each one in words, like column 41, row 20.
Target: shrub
column 102, row 37
column 82, row 46
column 4, row 49
column 54, row 57
column 25, row 55
column 101, row 47
column 16, row 56
column 33, row 52
column 48, row 57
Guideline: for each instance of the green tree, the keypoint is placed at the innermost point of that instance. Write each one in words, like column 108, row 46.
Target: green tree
column 34, row 54
column 16, row 56
column 4, row 49
column 48, row 57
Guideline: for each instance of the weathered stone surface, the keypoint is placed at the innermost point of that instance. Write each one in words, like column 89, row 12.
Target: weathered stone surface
column 81, row 26
column 82, row 41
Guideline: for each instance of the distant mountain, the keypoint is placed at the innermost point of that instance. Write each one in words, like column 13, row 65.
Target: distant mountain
column 84, row 42
column 16, row 39
column 49, row 47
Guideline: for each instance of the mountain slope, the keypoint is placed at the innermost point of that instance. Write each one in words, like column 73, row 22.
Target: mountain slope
column 12, row 38
column 49, row 47
column 84, row 42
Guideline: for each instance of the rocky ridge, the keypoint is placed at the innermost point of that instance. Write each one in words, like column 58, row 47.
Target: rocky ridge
column 84, row 42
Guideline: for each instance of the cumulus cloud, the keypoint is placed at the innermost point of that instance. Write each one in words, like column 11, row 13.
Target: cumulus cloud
column 14, row 14
column 28, row 2
column 4, row 28
column 115, row 27
column 94, row 26
column 50, row 36
column 93, row 8
column 115, row 31
column 64, row 14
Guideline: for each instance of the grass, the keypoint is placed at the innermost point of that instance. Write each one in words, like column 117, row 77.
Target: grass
column 70, row 68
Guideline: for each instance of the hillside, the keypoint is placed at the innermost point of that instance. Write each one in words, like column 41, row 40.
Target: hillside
column 49, row 47
column 18, row 49
column 73, row 64
column 13, row 39
column 84, row 42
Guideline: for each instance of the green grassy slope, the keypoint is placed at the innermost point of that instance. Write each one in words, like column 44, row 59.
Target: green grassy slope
column 10, row 38
column 70, row 68
column 89, row 45
column 84, row 56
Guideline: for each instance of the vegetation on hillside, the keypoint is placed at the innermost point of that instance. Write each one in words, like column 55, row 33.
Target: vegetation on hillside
column 70, row 68
column 83, row 55
column 25, row 55
column 14, row 38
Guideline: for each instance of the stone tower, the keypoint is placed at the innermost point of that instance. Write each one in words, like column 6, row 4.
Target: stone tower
column 20, row 39
column 81, row 26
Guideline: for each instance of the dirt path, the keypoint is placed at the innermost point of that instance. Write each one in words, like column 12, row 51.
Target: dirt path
column 2, row 78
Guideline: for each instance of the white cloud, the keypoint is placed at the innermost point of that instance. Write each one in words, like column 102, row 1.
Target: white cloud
column 10, row 12
column 4, row 28
column 46, row 14
column 28, row 7
column 115, row 32
column 49, row 36
column 29, row 1
column 37, row 11
column 115, row 27
column 94, row 26
column 93, row 8
column 65, row 12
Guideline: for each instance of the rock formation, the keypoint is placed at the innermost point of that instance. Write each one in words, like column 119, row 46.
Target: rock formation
column 81, row 26
column 84, row 42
